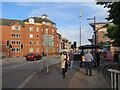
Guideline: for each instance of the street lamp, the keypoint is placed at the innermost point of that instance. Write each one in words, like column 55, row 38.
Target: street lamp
column 94, row 28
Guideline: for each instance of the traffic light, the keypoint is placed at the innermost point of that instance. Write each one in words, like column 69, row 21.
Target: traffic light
column 72, row 46
column 21, row 46
column 75, row 45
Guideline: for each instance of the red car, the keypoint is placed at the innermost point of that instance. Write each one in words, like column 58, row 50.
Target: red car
column 33, row 56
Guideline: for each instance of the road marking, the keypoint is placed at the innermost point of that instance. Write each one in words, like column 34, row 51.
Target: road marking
column 26, row 80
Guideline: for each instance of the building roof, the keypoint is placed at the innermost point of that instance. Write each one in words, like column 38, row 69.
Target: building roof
column 38, row 20
column 10, row 21
column 21, row 22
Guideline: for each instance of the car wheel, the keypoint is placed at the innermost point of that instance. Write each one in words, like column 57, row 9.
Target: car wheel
column 27, row 60
column 34, row 59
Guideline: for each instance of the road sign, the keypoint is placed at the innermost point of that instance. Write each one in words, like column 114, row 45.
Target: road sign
column 47, row 40
column 58, row 49
column 101, row 42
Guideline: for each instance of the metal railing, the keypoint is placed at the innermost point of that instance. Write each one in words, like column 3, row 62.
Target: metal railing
column 115, row 79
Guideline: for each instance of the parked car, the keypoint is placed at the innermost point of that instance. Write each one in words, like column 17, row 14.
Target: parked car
column 33, row 56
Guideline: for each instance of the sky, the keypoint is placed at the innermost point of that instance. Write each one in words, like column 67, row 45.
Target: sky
column 64, row 14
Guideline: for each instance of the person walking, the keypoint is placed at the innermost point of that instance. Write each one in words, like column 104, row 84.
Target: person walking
column 64, row 63
column 88, row 60
column 71, row 56
column 97, row 55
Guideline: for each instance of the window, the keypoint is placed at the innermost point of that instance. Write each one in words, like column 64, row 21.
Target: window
column 52, row 38
column 18, row 42
column 31, row 49
column 37, row 49
column 31, row 21
column 52, row 44
column 31, row 42
column 52, row 49
column 46, row 30
column 37, row 35
column 46, row 49
column 18, row 27
column 13, row 49
column 37, row 29
column 13, row 42
column 13, row 34
column 42, row 29
column 52, row 31
column 13, row 27
column 18, row 35
column 31, row 35
column 44, row 22
column 37, row 42
column 31, row 29
column 18, row 49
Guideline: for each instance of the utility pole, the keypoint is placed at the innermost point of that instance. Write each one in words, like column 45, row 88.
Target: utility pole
column 80, row 26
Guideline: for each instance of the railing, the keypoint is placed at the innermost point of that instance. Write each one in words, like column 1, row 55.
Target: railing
column 115, row 79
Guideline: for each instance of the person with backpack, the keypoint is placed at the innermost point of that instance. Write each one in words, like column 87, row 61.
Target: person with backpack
column 64, row 63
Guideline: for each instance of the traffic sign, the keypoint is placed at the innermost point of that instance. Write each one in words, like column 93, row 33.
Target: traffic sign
column 58, row 49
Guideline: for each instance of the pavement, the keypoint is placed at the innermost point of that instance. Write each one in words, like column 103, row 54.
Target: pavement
column 75, row 78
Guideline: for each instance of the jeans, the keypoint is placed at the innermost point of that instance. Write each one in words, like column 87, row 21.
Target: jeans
column 71, row 63
column 89, row 66
column 63, row 71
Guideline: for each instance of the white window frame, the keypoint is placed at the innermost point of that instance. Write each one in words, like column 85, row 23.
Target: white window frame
column 31, row 49
column 52, row 32
column 37, row 42
column 52, row 38
column 37, row 49
column 31, row 35
column 47, row 31
column 12, row 34
column 52, row 49
column 37, row 29
column 31, row 28
column 18, row 43
column 12, row 27
column 12, row 49
column 18, row 35
column 31, row 42
column 52, row 44
column 18, row 49
column 18, row 27
column 38, row 35
column 13, row 41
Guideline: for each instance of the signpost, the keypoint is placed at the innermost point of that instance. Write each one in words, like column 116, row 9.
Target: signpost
column 47, row 42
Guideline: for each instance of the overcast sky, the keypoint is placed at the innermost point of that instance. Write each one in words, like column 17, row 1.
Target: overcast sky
column 64, row 14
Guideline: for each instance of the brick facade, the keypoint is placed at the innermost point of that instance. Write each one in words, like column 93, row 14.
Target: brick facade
column 30, row 35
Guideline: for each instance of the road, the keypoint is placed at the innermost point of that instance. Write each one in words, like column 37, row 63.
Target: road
column 15, row 73
column 27, row 74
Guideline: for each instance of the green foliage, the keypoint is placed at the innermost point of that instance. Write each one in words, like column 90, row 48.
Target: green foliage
column 114, row 16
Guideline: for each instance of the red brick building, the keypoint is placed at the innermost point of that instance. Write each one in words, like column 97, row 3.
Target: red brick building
column 28, row 32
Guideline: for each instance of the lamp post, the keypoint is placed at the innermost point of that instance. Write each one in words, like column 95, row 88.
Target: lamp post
column 94, row 28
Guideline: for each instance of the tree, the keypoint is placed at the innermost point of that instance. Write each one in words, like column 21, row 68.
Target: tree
column 114, row 16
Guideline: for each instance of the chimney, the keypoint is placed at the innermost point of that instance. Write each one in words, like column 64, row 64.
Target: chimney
column 44, row 16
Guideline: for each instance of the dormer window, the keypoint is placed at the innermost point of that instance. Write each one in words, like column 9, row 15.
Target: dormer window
column 31, row 21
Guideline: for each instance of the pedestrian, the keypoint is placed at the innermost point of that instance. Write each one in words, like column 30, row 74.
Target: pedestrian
column 64, row 63
column 116, row 57
column 88, row 60
column 97, row 57
column 71, row 56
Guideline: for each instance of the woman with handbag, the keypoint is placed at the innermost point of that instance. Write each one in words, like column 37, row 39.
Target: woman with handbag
column 64, row 63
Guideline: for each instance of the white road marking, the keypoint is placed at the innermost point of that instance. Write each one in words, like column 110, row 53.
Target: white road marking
column 26, row 80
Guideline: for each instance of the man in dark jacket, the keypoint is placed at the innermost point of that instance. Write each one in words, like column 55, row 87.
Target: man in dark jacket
column 97, row 55
column 71, row 58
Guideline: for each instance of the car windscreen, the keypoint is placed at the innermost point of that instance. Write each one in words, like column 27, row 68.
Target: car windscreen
column 29, row 54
